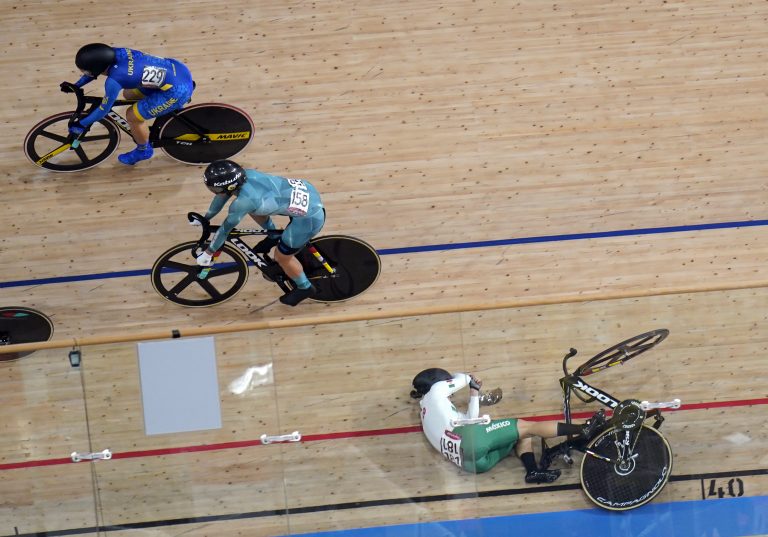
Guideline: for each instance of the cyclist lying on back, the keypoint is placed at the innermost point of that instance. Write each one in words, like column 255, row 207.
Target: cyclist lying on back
column 261, row 195
column 161, row 85
column 477, row 447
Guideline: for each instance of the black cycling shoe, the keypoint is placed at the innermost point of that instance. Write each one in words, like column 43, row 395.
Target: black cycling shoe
column 297, row 295
column 537, row 477
column 593, row 425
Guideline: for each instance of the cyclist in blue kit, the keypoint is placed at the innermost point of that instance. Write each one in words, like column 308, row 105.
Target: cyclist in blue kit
column 261, row 195
column 159, row 85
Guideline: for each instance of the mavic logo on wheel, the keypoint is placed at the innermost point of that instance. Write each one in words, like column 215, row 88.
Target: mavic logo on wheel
column 600, row 396
column 230, row 136
column 247, row 251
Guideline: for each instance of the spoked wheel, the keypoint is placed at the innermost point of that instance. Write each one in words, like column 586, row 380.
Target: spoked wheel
column 357, row 267
column 46, row 144
column 177, row 277
column 622, row 352
column 229, row 129
column 620, row 486
column 22, row 325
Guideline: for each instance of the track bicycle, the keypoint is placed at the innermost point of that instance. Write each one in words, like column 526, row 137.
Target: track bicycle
column 340, row 267
column 195, row 134
column 628, row 462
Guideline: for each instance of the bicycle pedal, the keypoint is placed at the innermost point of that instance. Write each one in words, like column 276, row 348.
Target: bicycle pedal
column 568, row 460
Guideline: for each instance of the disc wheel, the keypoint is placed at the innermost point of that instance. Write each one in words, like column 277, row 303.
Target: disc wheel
column 177, row 277
column 622, row 352
column 22, row 325
column 636, row 481
column 97, row 145
column 230, row 130
column 356, row 267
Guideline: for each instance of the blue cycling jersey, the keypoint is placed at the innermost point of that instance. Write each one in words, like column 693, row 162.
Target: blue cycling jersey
column 265, row 195
column 135, row 70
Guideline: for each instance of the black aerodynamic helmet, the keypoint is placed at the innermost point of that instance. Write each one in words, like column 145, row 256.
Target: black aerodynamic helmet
column 224, row 176
column 424, row 381
column 95, row 58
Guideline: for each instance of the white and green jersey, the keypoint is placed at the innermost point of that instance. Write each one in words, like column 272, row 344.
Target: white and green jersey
column 437, row 412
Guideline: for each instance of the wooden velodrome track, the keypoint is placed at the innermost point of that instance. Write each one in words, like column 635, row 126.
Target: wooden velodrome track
column 421, row 123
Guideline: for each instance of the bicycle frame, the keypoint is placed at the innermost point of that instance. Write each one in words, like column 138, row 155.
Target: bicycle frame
column 262, row 261
column 154, row 138
column 573, row 383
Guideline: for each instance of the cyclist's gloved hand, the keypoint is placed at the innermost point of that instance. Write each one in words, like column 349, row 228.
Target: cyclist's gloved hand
column 76, row 129
column 205, row 259
column 474, row 383
column 266, row 245
column 66, row 87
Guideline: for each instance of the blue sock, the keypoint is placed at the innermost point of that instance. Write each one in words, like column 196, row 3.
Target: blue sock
column 301, row 281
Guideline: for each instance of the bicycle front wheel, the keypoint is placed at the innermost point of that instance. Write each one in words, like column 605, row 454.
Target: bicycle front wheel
column 356, row 266
column 229, row 130
column 620, row 487
column 622, row 352
column 177, row 277
column 45, row 144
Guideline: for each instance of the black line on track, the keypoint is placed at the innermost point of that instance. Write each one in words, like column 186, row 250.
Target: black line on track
column 360, row 505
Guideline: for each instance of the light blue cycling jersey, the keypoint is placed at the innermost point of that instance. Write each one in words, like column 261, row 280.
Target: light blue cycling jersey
column 265, row 195
column 166, row 83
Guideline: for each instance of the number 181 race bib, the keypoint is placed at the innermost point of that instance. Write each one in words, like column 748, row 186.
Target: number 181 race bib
column 450, row 447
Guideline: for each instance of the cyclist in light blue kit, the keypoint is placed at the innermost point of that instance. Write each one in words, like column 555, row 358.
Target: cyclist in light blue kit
column 160, row 85
column 261, row 195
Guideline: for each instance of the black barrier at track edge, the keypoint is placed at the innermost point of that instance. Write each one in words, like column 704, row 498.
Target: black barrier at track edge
column 359, row 505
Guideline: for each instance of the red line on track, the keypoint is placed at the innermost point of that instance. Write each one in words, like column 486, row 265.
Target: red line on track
column 343, row 435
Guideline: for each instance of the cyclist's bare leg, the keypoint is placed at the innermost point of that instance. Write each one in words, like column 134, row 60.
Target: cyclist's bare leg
column 140, row 132
column 139, row 127
column 132, row 94
column 290, row 265
column 542, row 429
column 524, row 445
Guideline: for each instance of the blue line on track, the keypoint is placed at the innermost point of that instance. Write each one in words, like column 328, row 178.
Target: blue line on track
column 433, row 248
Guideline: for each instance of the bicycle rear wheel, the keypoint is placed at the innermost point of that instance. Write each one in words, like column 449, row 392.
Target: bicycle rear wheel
column 357, row 267
column 228, row 128
column 622, row 352
column 22, row 325
column 620, row 488
column 52, row 133
column 176, row 276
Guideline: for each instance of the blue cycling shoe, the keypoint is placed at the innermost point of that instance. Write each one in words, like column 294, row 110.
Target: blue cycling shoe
column 137, row 155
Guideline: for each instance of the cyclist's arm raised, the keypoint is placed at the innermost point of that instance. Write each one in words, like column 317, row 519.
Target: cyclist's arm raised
column 459, row 381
